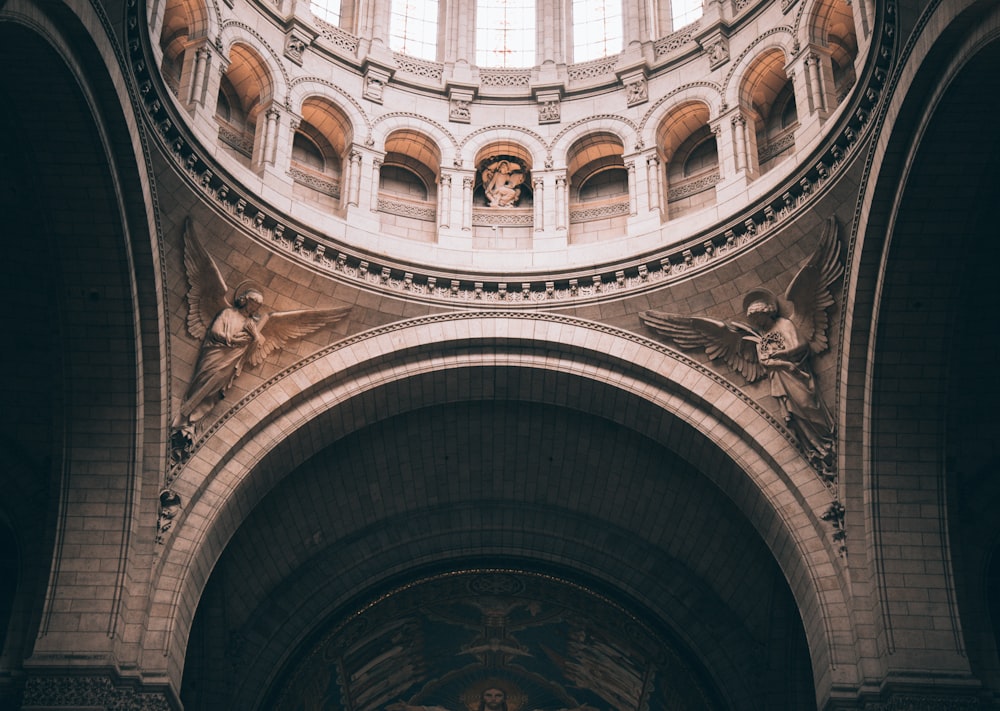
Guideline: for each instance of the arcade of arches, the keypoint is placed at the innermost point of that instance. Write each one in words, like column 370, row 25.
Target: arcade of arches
column 341, row 379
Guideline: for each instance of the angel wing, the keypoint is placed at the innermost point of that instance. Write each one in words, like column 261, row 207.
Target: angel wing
column 207, row 289
column 279, row 328
column 734, row 343
column 516, row 178
column 808, row 295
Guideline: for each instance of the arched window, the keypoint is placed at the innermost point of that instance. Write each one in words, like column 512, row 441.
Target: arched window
column 326, row 10
column 597, row 29
column 413, row 28
column 505, row 33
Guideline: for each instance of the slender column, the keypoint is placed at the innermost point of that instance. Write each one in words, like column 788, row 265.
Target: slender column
column 655, row 176
column 467, row 186
column 376, row 180
column 817, row 98
column 633, row 207
column 561, row 206
column 355, row 179
column 199, row 79
column 552, row 18
column 265, row 138
column 444, row 201
column 740, row 141
column 538, row 185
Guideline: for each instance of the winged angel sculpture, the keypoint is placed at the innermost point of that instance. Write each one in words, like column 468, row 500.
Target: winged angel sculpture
column 783, row 335
column 234, row 335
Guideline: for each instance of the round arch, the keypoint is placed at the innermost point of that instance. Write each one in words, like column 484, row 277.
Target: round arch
column 344, row 388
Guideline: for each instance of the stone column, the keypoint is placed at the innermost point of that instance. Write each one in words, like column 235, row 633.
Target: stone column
column 265, row 141
column 538, row 185
column 655, row 179
column 633, row 207
column 562, row 207
column 444, row 201
column 201, row 74
column 468, row 183
column 376, row 180
column 354, row 178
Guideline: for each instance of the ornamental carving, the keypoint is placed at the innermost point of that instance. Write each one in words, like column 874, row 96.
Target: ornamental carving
column 504, row 180
column 783, row 335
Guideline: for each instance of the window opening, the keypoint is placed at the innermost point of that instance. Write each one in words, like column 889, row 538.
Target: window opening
column 597, row 29
column 413, row 28
column 505, row 33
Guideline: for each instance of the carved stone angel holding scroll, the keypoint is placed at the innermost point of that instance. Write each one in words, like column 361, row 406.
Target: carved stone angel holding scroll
column 783, row 335
column 234, row 335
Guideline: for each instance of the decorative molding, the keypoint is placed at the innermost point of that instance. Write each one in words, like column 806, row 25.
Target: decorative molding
column 505, row 77
column 698, row 185
column 237, row 140
column 74, row 692
column 338, row 37
column 326, row 186
column 676, row 40
column 406, row 209
column 508, row 217
column 925, row 702
column 419, row 67
column 769, row 150
column 593, row 69
column 587, row 214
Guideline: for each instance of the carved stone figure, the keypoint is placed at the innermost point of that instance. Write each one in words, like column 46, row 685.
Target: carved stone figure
column 636, row 92
column 501, row 183
column 234, row 335
column 784, row 333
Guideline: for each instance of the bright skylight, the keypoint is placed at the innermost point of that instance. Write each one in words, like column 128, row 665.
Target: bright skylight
column 505, row 33
column 597, row 29
column 413, row 28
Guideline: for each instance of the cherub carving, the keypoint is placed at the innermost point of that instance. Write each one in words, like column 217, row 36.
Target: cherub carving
column 234, row 335
column 502, row 183
column 783, row 335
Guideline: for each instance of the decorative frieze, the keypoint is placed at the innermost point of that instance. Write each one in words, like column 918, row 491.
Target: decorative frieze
column 513, row 217
column 505, row 77
column 237, row 140
column 75, row 692
column 320, row 185
column 614, row 209
column 338, row 37
column 676, row 40
column 693, row 187
column 585, row 71
column 407, row 209
column 419, row 67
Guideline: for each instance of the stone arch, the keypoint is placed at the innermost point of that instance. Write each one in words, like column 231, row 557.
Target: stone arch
column 530, row 143
column 624, row 131
column 709, row 95
column 761, row 471
column 830, row 24
column 898, row 235
column 598, row 186
column 444, row 141
column 93, row 285
column 734, row 86
column 689, row 156
column 183, row 22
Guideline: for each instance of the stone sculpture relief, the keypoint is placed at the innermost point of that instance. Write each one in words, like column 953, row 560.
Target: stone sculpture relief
column 234, row 335
column 783, row 335
column 502, row 180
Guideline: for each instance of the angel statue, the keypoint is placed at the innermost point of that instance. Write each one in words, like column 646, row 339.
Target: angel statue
column 234, row 335
column 502, row 183
column 784, row 333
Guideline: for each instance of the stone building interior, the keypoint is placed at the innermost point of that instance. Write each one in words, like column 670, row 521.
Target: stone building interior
column 520, row 355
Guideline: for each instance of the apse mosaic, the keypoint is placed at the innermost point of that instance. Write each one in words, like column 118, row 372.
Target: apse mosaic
column 493, row 641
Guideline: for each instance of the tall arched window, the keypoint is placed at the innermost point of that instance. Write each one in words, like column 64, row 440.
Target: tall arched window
column 505, row 33
column 327, row 10
column 413, row 28
column 597, row 29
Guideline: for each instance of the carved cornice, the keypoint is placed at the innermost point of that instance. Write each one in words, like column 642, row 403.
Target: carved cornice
column 640, row 273
column 73, row 692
